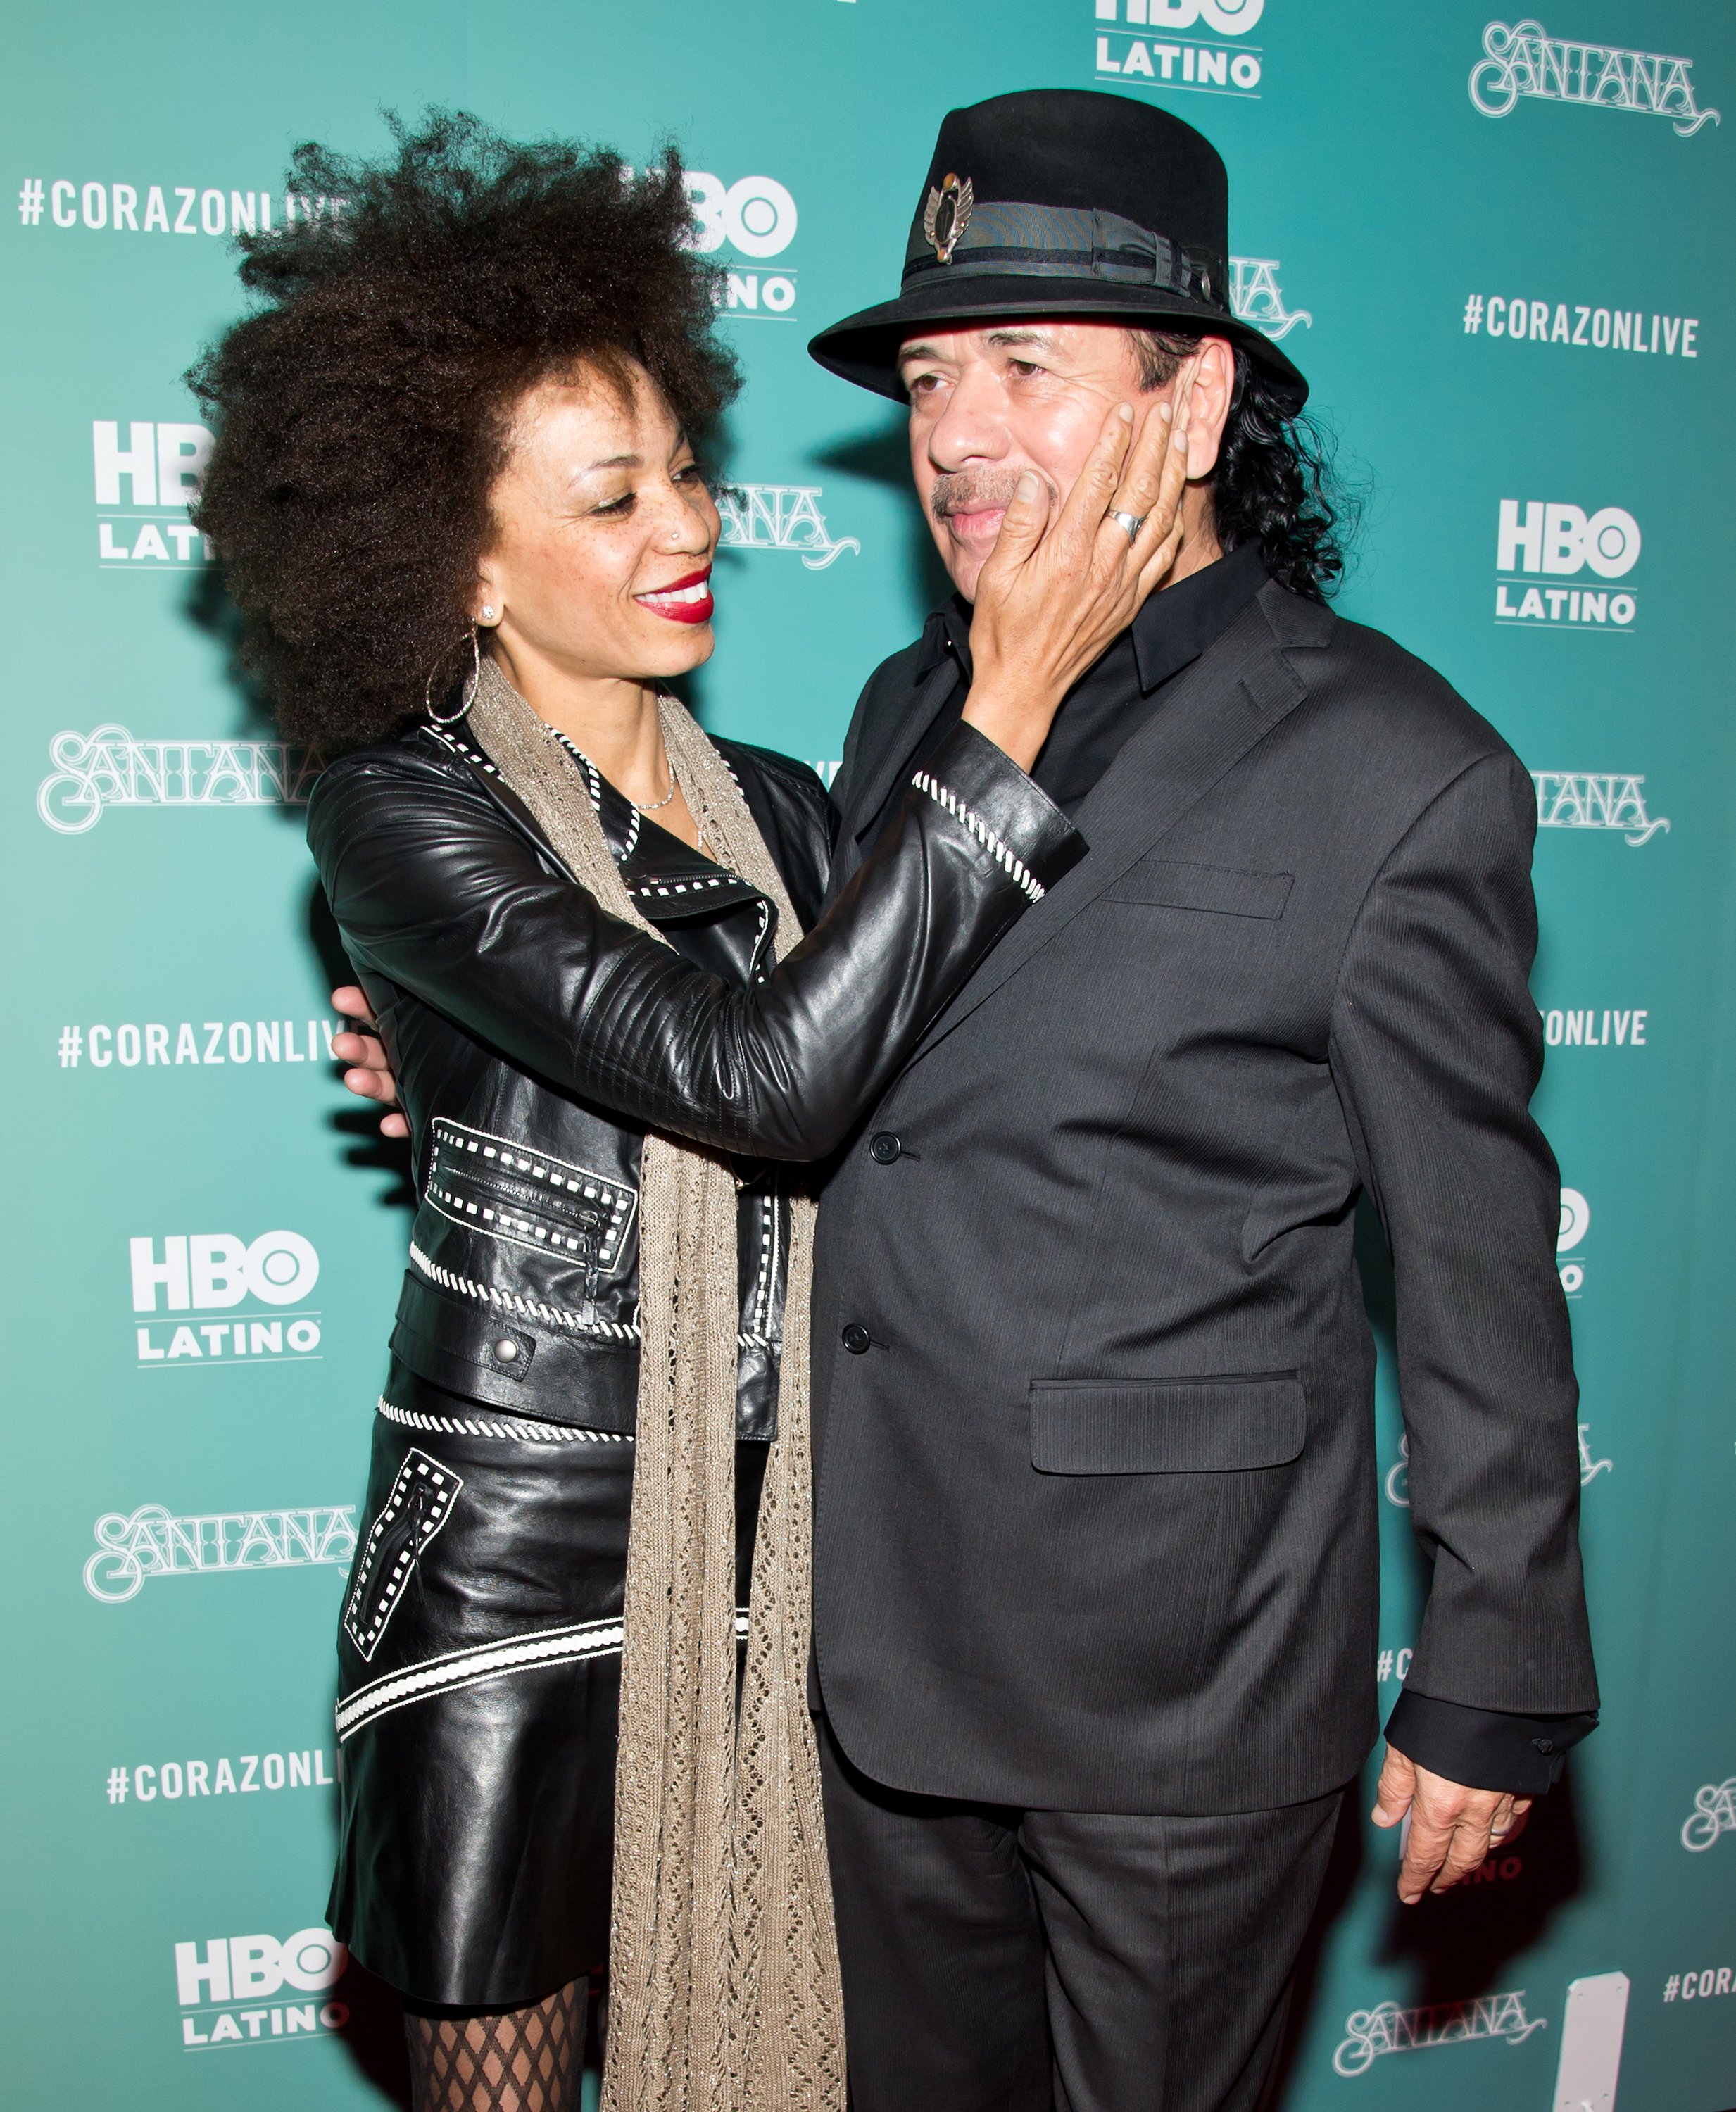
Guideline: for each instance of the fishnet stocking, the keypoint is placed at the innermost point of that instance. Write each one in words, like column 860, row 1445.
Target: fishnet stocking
column 517, row 2060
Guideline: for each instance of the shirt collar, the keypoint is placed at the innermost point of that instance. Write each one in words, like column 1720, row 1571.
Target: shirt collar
column 1174, row 627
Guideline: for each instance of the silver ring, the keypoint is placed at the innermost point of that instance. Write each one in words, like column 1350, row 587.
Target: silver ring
column 1130, row 524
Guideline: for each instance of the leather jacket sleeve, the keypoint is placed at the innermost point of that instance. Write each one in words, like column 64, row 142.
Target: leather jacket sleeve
column 434, row 886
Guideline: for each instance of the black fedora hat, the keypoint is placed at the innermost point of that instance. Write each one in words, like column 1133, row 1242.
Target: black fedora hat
column 1061, row 201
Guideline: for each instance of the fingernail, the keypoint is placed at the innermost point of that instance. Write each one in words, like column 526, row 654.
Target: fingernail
column 1127, row 414
column 1026, row 488
column 1166, row 411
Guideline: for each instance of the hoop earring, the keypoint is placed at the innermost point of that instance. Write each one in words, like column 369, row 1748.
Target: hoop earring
column 469, row 697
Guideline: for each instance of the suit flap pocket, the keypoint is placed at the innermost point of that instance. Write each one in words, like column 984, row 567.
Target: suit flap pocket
column 1170, row 885
column 1210, row 1425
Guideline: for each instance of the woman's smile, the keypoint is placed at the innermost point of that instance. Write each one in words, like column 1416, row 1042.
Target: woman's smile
column 685, row 600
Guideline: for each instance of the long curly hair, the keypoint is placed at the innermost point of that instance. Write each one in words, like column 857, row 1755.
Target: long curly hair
column 362, row 411
column 1274, row 484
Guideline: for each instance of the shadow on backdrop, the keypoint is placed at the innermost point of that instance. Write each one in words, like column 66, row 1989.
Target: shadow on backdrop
column 881, row 454
column 1456, row 1944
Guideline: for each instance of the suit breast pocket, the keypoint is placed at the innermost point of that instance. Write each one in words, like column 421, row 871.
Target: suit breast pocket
column 1172, row 883
column 1206, row 1426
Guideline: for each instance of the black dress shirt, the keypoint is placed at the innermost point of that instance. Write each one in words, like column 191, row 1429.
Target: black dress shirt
column 1481, row 1748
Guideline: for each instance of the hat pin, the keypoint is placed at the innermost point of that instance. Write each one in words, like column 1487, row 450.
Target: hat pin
column 947, row 215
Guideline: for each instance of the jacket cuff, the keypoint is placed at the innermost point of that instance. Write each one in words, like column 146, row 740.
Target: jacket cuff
column 984, row 789
column 1484, row 1748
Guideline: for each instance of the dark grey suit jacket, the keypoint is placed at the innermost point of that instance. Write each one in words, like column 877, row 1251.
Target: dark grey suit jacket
column 1097, row 1499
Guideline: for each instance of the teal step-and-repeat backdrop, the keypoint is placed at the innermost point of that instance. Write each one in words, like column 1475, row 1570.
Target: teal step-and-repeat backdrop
column 1501, row 249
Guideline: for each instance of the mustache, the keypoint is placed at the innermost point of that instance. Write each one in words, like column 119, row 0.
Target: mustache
column 973, row 491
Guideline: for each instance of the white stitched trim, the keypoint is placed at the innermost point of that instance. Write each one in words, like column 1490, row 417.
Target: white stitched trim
column 489, row 1213
column 979, row 829
column 462, row 748
column 665, row 887
column 434, row 1487
column 486, row 1661
column 521, row 1426
column 529, row 1309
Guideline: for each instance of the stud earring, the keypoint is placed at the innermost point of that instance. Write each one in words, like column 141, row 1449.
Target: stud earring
column 488, row 612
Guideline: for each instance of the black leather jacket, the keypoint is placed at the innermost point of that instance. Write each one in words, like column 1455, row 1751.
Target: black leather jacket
column 535, row 1039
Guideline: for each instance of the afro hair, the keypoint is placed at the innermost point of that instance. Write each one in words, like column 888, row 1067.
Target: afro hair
column 362, row 409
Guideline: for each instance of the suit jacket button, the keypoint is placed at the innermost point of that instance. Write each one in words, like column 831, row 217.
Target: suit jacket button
column 857, row 1338
column 884, row 1148
column 507, row 1350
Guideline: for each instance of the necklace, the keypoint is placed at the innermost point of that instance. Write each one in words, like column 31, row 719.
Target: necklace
column 660, row 804
column 593, row 778
column 578, row 754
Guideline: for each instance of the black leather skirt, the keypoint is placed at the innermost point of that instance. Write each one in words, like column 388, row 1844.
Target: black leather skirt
column 479, row 1656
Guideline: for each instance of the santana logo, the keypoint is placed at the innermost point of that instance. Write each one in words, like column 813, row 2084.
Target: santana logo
column 1176, row 60
column 1714, row 1813
column 164, row 465
column 1593, row 799
column 1560, row 541
column 781, row 517
column 206, row 1271
column 109, row 768
column 1255, row 297
column 1369, row 2033
column 231, row 1970
column 1526, row 61
column 151, row 1543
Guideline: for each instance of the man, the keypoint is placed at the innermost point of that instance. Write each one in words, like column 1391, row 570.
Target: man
column 1095, row 1562
column 1095, row 1579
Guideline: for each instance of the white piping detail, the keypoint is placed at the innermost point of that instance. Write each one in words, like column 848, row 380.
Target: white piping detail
column 462, row 748
column 519, row 1427
column 483, row 1662
column 530, row 1309
column 434, row 1487
column 571, row 1186
column 1021, row 873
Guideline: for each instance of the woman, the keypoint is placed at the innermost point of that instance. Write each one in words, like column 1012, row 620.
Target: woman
column 457, row 498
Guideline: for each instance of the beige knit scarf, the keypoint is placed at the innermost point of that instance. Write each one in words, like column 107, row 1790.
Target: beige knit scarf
column 723, row 1972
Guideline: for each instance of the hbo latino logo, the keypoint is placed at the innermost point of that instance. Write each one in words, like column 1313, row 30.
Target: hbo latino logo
column 225, row 1987
column 757, row 217
column 1542, row 539
column 1184, row 50
column 1576, row 1221
column 191, row 1273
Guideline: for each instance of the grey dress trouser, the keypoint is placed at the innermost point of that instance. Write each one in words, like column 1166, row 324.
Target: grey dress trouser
column 998, row 1960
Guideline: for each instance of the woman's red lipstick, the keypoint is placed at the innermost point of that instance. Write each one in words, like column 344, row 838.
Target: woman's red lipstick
column 682, row 601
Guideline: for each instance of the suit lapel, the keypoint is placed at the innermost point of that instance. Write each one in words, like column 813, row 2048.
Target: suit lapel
column 1212, row 715
column 896, row 747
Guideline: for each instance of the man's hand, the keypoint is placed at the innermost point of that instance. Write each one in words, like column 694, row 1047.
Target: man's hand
column 370, row 1075
column 1452, row 1828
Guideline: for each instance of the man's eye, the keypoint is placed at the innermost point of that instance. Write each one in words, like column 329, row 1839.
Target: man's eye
column 922, row 385
column 1024, row 366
